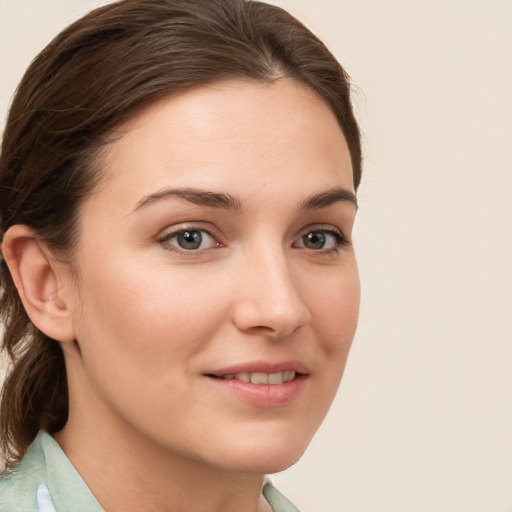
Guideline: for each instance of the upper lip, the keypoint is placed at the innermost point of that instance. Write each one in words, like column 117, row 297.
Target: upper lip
column 261, row 367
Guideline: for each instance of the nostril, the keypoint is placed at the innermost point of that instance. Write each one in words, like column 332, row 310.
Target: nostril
column 261, row 328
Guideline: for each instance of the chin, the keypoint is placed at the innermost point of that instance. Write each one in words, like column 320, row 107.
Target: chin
column 277, row 464
column 266, row 456
column 266, row 465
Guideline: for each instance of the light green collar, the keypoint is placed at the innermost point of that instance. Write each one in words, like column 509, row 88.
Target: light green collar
column 45, row 464
column 277, row 501
column 46, row 481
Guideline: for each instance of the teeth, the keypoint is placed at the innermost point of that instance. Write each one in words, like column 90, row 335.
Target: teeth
column 259, row 378
column 262, row 378
column 288, row 376
column 275, row 378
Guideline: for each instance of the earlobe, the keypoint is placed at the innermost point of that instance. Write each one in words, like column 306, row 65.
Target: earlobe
column 41, row 282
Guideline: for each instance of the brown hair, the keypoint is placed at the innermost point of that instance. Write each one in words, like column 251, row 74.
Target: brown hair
column 90, row 79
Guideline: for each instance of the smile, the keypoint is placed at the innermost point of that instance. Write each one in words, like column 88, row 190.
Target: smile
column 261, row 378
column 260, row 383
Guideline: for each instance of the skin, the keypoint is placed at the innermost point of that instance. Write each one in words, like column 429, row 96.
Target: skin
column 146, row 321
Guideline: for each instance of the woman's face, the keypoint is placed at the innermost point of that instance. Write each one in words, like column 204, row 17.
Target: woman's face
column 217, row 291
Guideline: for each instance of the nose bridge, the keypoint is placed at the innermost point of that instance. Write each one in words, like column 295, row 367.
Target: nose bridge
column 270, row 300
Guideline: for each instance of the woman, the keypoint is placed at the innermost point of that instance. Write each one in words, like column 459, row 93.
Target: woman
column 180, row 292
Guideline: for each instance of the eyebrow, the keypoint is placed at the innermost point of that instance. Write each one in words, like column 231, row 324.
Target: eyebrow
column 327, row 198
column 228, row 202
column 195, row 196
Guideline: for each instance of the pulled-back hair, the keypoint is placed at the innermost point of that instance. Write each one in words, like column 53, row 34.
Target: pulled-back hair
column 94, row 76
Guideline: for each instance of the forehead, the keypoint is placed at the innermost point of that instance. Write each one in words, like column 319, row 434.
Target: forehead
column 244, row 134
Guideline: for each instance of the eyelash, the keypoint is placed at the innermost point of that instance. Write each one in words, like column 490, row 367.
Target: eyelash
column 340, row 240
column 166, row 240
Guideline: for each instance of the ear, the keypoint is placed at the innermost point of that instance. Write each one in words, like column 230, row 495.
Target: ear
column 43, row 283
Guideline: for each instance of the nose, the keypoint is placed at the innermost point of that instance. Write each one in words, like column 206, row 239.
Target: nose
column 268, row 300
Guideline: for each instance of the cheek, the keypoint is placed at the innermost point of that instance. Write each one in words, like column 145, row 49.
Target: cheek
column 334, row 305
column 155, row 316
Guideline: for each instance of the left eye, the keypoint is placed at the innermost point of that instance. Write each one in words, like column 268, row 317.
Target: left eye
column 321, row 240
column 191, row 240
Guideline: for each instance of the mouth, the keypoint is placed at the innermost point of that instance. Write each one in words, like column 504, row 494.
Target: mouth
column 261, row 384
column 259, row 377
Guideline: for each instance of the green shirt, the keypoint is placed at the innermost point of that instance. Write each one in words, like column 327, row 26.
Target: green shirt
column 46, row 481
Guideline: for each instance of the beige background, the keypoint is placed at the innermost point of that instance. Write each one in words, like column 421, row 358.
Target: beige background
column 423, row 420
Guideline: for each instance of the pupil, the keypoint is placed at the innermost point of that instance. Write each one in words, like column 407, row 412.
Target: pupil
column 314, row 240
column 190, row 239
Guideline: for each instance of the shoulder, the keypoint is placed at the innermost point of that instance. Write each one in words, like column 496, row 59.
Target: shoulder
column 18, row 485
column 45, row 481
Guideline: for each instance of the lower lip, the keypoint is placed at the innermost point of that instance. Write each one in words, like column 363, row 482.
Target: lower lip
column 263, row 395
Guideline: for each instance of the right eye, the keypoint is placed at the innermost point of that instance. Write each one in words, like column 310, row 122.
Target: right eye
column 189, row 240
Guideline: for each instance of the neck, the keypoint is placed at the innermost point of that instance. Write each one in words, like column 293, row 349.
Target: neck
column 127, row 475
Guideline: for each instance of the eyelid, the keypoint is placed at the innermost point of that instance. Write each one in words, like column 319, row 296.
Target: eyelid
column 171, row 231
column 341, row 238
